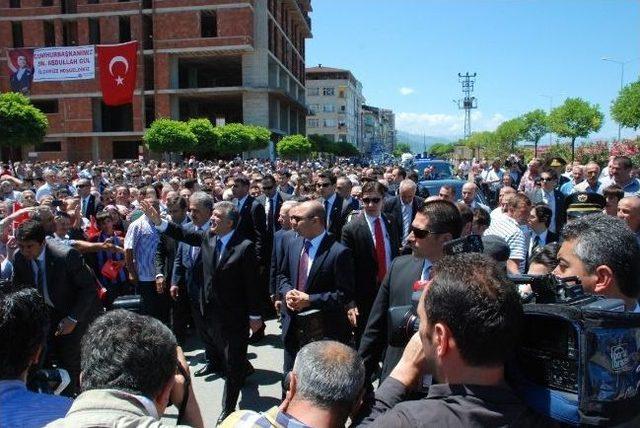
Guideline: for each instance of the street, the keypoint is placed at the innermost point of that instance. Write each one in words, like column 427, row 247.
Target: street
column 262, row 390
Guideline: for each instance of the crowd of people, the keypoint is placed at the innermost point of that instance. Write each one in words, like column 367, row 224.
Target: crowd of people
column 327, row 249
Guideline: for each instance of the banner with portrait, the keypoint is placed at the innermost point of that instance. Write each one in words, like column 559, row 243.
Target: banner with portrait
column 64, row 63
column 20, row 63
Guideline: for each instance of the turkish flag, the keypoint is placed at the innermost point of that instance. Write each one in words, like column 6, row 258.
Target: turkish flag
column 118, row 67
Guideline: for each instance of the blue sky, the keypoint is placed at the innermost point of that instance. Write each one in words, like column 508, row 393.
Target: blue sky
column 408, row 53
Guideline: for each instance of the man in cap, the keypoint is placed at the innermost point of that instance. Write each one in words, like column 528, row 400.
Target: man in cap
column 558, row 165
column 583, row 203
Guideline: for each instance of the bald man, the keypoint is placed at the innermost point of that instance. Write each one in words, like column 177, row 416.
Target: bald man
column 503, row 196
column 629, row 211
column 469, row 192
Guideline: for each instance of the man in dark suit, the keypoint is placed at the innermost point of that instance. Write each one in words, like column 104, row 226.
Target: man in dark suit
column 271, row 199
column 403, row 209
column 252, row 223
column 165, row 257
column 228, row 295
column 553, row 198
column 372, row 237
column 539, row 220
column 89, row 206
column 398, row 174
column 435, row 224
column 317, row 273
column 68, row 288
column 343, row 188
column 280, row 242
column 335, row 206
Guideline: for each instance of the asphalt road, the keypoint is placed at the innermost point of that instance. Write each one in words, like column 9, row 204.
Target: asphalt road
column 261, row 391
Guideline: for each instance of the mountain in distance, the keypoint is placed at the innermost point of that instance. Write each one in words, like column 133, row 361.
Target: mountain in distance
column 418, row 143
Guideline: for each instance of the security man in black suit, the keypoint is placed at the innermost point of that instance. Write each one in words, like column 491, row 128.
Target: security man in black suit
column 89, row 206
column 435, row 224
column 335, row 206
column 228, row 295
column 68, row 287
column 403, row 208
column 317, row 273
column 372, row 237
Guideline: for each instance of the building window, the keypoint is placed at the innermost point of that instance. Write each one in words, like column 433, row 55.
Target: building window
column 125, row 149
column 46, row 106
column 341, row 93
column 328, row 92
column 343, row 137
column 94, row 31
column 314, row 108
column 313, row 123
column 329, row 123
column 70, row 33
column 328, row 108
column 208, row 23
column 14, row 4
column 147, row 32
column 68, row 6
column 48, row 146
column 124, row 24
column 148, row 72
column 93, row 1
column 49, row 30
column 16, row 31
column 343, row 108
column 117, row 119
column 313, row 92
column 47, row 3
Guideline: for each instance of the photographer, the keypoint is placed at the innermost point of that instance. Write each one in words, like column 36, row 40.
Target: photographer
column 23, row 323
column 603, row 253
column 129, row 375
column 470, row 321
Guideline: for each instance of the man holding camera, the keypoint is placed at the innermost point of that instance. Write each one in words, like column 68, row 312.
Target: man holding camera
column 470, row 321
column 23, row 323
column 435, row 224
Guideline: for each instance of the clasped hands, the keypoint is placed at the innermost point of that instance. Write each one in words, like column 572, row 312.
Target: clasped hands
column 296, row 300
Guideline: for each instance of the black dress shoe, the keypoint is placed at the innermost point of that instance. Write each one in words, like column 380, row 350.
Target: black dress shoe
column 206, row 370
column 222, row 417
column 257, row 336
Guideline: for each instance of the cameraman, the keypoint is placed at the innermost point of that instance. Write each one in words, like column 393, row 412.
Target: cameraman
column 470, row 322
column 23, row 324
column 129, row 376
column 603, row 253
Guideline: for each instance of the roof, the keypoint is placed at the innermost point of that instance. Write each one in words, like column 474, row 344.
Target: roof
column 323, row 69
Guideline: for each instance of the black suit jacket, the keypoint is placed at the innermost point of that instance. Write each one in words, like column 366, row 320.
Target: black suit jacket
column 393, row 206
column 252, row 225
column 165, row 257
column 280, row 242
column 330, row 285
column 70, row 282
column 396, row 290
column 93, row 207
column 561, row 210
column 229, row 283
column 272, row 224
column 340, row 211
column 357, row 237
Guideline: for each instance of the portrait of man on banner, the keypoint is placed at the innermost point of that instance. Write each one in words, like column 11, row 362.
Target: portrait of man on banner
column 20, row 63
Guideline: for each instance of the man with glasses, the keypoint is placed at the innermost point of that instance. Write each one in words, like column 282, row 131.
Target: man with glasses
column 335, row 206
column 551, row 196
column 373, row 240
column 316, row 273
column 89, row 206
column 435, row 224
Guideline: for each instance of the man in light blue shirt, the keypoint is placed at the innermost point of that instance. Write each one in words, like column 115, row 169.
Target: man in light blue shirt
column 23, row 319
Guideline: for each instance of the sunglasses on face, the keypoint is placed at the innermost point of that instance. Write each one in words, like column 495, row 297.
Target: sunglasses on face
column 323, row 184
column 422, row 233
column 371, row 200
column 298, row 218
column 546, row 179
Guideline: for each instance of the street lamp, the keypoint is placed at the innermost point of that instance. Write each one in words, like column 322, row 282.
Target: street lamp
column 621, row 63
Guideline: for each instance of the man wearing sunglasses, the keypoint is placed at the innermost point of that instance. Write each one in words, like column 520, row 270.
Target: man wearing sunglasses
column 373, row 239
column 550, row 195
column 435, row 224
column 335, row 206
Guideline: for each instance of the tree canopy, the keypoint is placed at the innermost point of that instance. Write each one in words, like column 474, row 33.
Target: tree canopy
column 167, row 135
column 401, row 148
column 20, row 122
column 294, row 146
column 575, row 118
column 206, row 135
column 625, row 109
column 536, row 126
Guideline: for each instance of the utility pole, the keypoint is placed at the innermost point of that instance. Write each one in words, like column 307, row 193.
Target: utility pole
column 468, row 102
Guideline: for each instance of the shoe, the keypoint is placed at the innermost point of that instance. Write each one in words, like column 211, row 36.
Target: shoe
column 206, row 370
column 222, row 417
column 257, row 336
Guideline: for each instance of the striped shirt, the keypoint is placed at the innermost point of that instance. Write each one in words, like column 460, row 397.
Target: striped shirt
column 23, row 408
column 508, row 229
column 143, row 238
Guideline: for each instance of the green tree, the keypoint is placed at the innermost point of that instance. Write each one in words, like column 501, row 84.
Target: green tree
column 322, row 144
column 344, row 148
column 235, row 138
column 294, row 146
column 260, row 137
column 20, row 122
column 536, row 125
column 441, row 149
column 575, row 118
column 625, row 109
column 401, row 148
column 206, row 135
column 479, row 140
column 509, row 133
column 167, row 135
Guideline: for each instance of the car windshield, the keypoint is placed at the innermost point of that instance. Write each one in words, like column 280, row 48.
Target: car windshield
column 441, row 170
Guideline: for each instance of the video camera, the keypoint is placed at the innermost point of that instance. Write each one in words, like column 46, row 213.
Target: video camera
column 49, row 381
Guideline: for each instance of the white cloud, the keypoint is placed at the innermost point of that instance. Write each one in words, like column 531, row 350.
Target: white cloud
column 406, row 91
column 445, row 125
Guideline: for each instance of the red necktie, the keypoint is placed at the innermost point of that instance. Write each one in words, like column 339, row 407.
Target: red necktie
column 381, row 255
column 303, row 266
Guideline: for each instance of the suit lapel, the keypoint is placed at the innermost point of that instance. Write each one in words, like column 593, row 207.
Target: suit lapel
column 296, row 251
column 50, row 266
column 363, row 226
column 229, row 249
column 321, row 254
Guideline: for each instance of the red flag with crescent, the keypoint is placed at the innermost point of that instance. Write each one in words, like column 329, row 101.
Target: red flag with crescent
column 118, row 72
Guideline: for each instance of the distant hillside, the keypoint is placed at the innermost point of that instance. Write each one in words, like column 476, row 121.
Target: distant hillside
column 418, row 142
